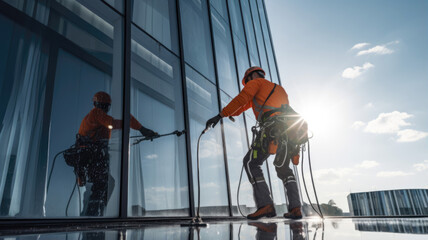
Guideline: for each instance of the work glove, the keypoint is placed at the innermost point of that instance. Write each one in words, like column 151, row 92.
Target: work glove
column 213, row 121
column 148, row 132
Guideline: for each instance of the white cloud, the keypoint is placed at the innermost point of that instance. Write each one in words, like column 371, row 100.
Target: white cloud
column 359, row 45
column 368, row 164
column 410, row 135
column 388, row 122
column 369, row 105
column 353, row 72
column 379, row 49
column 421, row 166
column 393, row 174
column 358, row 124
column 334, row 175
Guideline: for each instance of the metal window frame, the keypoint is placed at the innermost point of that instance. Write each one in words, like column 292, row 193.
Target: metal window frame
column 186, row 112
column 223, row 138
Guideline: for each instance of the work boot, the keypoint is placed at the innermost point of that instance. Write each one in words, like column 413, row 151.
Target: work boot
column 266, row 211
column 295, row 213
column 264, row 227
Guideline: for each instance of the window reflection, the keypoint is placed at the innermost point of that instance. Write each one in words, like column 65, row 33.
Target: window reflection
column 203, row 104
column 236, row 20
column 196, row 36
column 158, row 18
column 58, row 95
column 224, row 54
column 269, row 47
column 259, row 37
column 95, row 169
column 158, row 169
column 22, row 92
column 249, row 31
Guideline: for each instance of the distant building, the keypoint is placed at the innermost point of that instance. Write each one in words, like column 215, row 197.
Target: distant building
column 400, row 225
column 389, row 203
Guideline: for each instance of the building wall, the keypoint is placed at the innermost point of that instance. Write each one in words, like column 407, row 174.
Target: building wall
column 171, row 64
column 389, row 203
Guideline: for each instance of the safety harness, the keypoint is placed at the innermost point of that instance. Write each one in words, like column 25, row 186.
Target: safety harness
column 286, row 128
column 83, row 153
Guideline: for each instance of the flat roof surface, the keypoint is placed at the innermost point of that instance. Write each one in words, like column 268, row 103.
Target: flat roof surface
column 277, row 228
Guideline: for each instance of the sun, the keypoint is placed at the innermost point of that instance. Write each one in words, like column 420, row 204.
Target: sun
column 323, row 116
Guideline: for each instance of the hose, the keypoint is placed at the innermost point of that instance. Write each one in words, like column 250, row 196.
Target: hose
column 237, row 192
column 199, row 180
column 74, row 188
column 69, row 199
column 53, row 165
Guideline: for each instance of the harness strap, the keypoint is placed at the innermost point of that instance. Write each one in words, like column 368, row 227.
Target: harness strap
column 263, row 106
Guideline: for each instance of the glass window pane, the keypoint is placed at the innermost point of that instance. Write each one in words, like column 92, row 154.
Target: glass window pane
column 224, row 55
column 259, row 37
column 76, row 82
column 203, row 104
column 89, row 24
column 249, row 30
column 159, row 19
column 236, row 20
column 158, row 169
column 220, row 7
column 196, row 36
column 117, row 4
column 269, row 47
column 237, row 147
column 241, row 58
column 22, row 93
column 48, row 93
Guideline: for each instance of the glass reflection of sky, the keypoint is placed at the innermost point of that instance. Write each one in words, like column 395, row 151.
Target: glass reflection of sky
column 309, row 229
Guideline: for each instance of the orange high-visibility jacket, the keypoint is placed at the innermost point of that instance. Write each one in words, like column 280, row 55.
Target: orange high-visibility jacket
column 254, row 95
column 97, row 124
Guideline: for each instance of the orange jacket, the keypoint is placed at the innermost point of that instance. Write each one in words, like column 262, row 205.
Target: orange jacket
column 254, row 95
column 98, row 125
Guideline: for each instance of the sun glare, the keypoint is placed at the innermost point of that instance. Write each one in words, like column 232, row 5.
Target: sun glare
column 322, row 117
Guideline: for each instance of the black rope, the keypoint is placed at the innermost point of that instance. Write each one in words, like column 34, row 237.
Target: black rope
column 304, row 183
column 312, row 178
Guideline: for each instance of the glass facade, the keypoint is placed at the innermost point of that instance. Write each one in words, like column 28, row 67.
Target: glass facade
column 404, row 202
column 166, row 65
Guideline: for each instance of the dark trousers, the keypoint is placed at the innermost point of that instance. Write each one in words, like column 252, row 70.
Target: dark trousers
column 253, row 161
column 102, row 187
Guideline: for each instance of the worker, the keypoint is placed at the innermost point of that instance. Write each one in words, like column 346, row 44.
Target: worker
column 94, row 135
column 268, row 101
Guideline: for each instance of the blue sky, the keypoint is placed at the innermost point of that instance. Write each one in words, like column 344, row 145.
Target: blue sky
column 358, row 71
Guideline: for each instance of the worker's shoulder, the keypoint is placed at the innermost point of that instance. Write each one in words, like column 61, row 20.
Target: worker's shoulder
column 258, row 81
column 96, row 112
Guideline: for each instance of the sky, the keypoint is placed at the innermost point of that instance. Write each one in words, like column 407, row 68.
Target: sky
column 358, row 72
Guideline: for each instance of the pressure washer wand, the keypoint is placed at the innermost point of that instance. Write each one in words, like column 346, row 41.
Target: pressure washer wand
column 142, row 138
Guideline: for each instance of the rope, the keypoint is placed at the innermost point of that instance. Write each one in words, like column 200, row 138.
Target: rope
column 313, row 184
column 312, row 178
